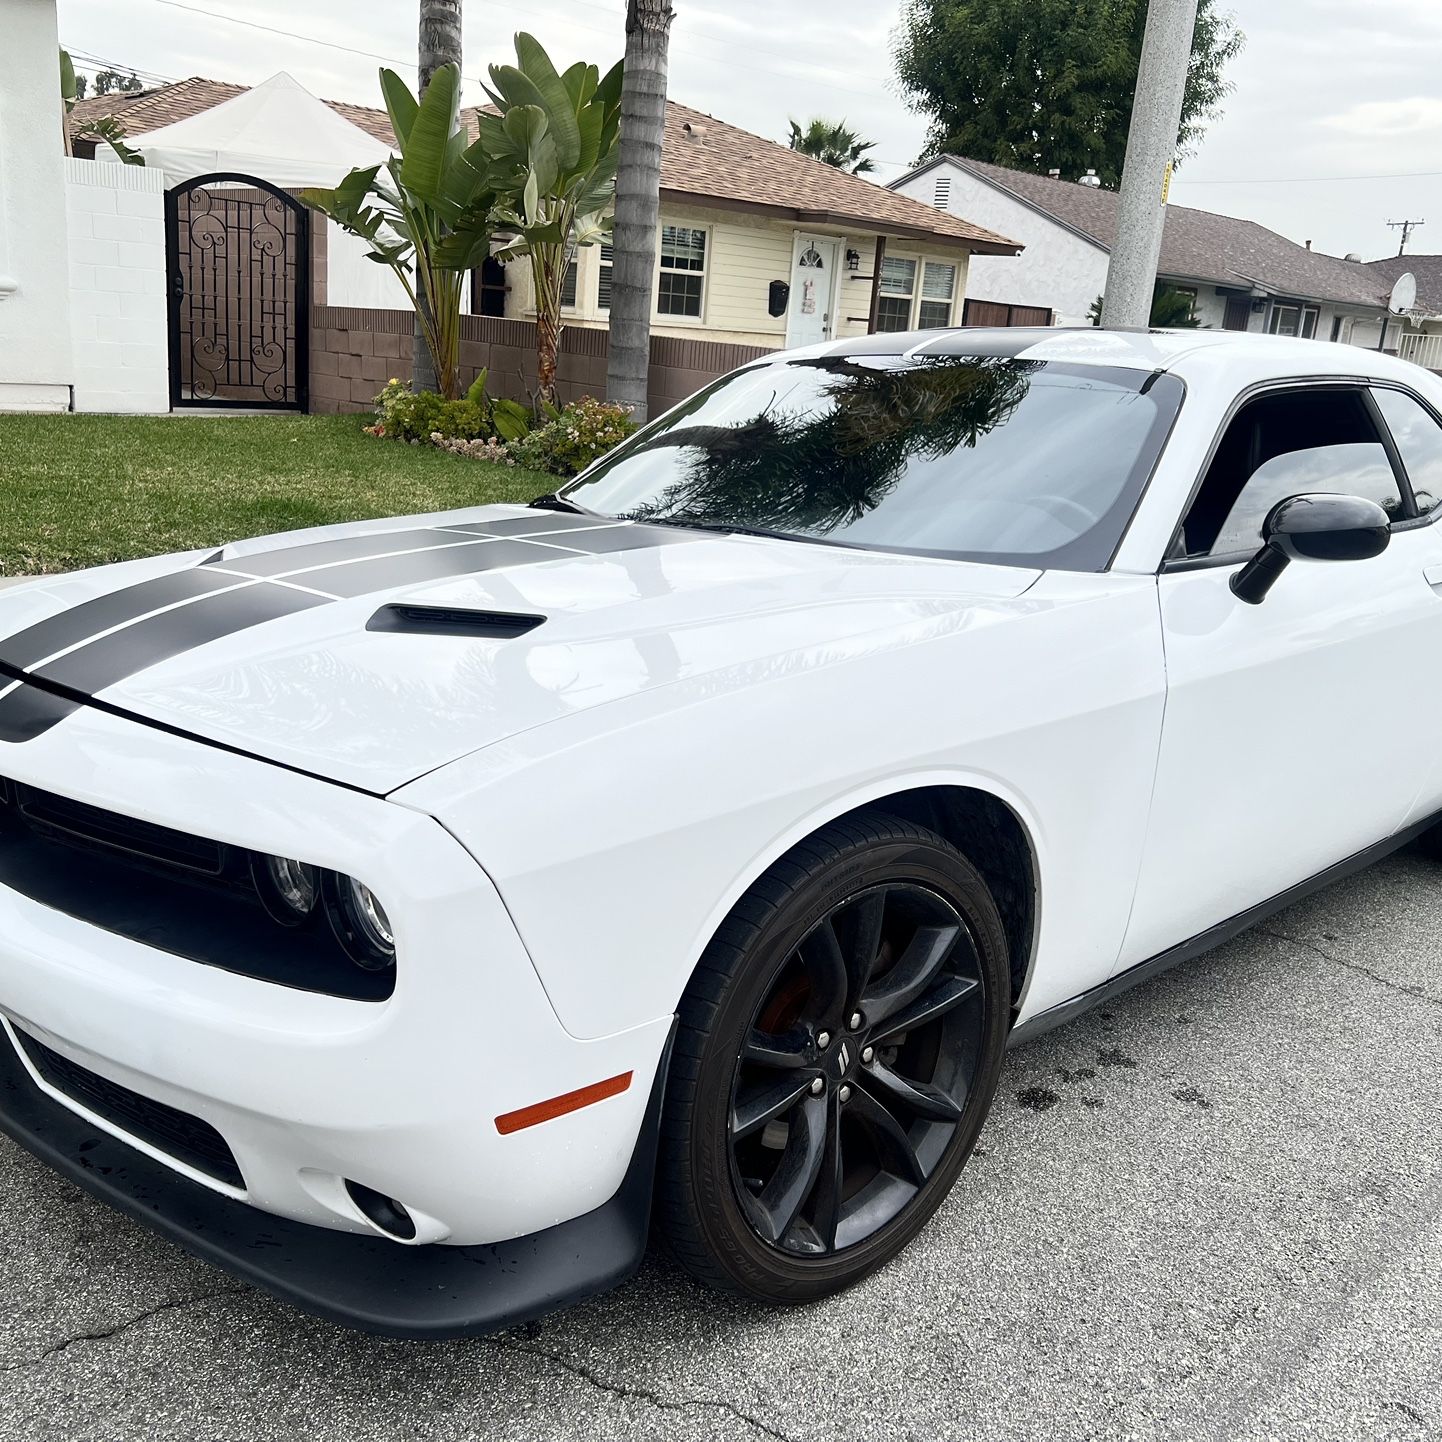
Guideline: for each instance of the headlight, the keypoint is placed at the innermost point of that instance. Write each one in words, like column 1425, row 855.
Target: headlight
column 288, row 889
column 360, row 922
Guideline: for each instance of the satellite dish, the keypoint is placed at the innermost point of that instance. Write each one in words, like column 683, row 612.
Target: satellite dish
column 1404, row 294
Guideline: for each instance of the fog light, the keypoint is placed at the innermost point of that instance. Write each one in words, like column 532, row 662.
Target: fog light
column 288, row 889
column 382, row 1212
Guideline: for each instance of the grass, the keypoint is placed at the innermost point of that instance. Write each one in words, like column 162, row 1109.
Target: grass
column 83, row 490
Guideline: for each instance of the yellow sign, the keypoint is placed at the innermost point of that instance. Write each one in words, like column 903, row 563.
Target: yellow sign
column 1167, row 182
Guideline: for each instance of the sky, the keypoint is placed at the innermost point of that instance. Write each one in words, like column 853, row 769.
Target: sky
column 1334, row 126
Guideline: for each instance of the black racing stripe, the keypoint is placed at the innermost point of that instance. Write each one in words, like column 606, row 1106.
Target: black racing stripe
column 213, row 614
column 102, row 663
column 467, row 559
column 346, row 548
column 27, row 712
column 625, row 538
column 541, row 524
column 89, row 618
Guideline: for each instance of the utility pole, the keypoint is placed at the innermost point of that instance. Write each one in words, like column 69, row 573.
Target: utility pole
column 1406, row 227
column 1147, row 172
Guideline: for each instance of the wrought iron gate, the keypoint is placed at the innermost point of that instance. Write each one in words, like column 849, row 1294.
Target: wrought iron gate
column 238, row 258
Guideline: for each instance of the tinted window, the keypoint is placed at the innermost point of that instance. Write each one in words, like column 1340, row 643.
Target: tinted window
column 1419, row 439
column 990, row 458
column 1281, row 445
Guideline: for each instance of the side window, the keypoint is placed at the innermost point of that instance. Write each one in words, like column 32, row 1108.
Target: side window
column 1419, row 439
column 1280, row 445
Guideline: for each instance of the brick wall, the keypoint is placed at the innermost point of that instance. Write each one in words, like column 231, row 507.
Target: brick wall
column 353, row 353
column 115, row 216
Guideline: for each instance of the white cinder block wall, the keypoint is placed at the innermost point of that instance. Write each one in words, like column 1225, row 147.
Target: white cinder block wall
column 35, row 354
column 118, row 320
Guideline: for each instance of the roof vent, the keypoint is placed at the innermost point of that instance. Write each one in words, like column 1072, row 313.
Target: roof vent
column 1091, row 179
column 1353, row 257
column 942, row 198
column 1053, row 174
column 695, row 132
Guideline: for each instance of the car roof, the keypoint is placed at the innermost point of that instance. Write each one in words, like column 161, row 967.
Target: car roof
column 1147, row 350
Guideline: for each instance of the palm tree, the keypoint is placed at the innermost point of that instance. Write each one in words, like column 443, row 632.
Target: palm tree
column 835, row 143
column 439, row 43
column 638, row 201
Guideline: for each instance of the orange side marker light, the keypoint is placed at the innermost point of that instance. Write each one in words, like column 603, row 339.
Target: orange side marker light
column 567, row 1102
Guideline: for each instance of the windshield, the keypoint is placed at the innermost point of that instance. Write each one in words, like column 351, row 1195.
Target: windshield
column 982, row 458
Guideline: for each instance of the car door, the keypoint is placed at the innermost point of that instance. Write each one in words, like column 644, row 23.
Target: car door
column 1416, row 432
column 1280, row 743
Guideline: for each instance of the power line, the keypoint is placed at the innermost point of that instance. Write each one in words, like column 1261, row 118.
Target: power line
column 1312, row 179
column 288, row 34
column 579, row 24
column 85, row 60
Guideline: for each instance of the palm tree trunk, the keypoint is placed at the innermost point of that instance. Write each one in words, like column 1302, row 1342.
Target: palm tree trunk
column 439, row 44
column 638, row 201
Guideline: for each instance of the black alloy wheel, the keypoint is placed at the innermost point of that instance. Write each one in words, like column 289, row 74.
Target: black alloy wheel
column 839, row 1049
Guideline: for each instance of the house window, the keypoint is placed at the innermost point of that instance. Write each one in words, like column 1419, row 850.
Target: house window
column 603, row 284
column 942, row 198
column 568, row 285
column 683, row 271
column 1294, row 320
column 898, row 286
column 938, row 291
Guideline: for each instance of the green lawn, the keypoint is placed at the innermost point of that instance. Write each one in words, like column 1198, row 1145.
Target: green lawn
column 82, row 490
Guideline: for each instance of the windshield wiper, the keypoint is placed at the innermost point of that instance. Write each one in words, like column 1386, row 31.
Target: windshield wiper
column 553, row 502
column 700, row 523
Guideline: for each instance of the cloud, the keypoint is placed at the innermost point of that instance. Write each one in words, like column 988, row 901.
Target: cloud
column 1386, row 119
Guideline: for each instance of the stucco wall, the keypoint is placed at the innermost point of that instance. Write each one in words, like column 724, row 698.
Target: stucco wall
column 36, row 364
column 1058, row 270
column 118, row 319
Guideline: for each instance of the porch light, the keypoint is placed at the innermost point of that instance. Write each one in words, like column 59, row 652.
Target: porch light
column 853, row 260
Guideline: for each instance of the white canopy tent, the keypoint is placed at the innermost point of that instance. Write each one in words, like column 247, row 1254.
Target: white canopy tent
column 281, row 133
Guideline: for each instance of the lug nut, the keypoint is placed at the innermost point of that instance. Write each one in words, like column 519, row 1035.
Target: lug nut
column 844, row 1094
column 856, row 1021
column 867, row 1053
column 823, row 1038
column 817, row 1087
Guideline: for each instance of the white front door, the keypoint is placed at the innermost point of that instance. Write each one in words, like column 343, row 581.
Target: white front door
column 814, row 264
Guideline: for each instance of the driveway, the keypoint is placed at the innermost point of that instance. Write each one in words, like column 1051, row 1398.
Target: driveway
column 1212, row 1211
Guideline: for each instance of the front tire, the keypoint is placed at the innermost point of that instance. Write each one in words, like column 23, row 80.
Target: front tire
column 836, row 1054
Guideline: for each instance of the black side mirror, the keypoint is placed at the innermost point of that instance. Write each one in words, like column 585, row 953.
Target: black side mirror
column 1315, row 527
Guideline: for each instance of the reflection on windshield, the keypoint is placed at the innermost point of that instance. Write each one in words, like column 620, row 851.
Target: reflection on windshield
column 1007, row 460
column 815, row 467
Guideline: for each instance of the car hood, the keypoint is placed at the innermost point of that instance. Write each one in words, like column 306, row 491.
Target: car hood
column 374, row 652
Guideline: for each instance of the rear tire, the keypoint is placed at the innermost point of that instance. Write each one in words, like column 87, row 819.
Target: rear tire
column 836, row 1054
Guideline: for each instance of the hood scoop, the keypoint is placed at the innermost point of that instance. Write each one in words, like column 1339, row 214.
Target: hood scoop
column 453, row 621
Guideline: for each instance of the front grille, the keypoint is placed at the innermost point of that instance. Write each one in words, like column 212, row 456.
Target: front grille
column 166, row 1128
column 192, row 896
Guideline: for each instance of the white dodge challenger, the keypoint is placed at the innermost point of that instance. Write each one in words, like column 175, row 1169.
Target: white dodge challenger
column 403, row 915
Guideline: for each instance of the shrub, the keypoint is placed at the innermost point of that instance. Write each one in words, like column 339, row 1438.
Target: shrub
column 581, row 433
column 489, row 449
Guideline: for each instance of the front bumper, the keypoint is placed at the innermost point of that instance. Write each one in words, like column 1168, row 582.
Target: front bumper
column 310, row 1091
column 423, row 1293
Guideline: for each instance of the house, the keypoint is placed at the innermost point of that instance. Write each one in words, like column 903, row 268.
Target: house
column 36, row 355
column 1240, row 275
column 759, row 246
column 1417, row 336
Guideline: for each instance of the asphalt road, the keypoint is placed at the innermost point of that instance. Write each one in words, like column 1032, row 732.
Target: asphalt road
column 1214, row 1211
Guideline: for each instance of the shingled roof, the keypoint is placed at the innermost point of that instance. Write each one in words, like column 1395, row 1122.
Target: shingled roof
column 1427, row 269
column 703, row 160
column 1196, row 244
